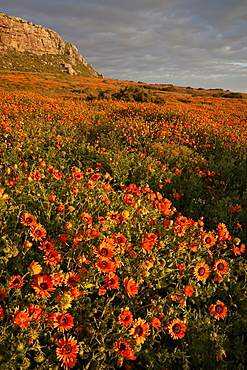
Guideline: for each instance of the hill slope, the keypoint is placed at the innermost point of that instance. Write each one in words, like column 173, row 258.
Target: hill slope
column 25, row 46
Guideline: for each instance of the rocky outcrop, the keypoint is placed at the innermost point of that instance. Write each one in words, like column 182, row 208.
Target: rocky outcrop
column 20, row 36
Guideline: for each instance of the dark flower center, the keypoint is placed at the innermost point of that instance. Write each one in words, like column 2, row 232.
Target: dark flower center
column 220, row 266
column 176, row 328
column 201, row 271
column 104, row 252
column 122, row 347
column 208, row 240
column 44, row 286
column 219, row 309
column 67, row 349
column 104, row 264
column 64, row 321
column 139, row 330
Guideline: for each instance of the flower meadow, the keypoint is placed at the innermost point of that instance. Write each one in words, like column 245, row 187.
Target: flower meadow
column 123, row 233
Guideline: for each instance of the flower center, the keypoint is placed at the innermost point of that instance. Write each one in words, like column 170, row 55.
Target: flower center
column 139, row 330
column 44, row 286
column 67, row 349
column 122, row 347
column 220, row 266
column 219, row 309
column 104, row 252
column 176, row 328
column 201, row 271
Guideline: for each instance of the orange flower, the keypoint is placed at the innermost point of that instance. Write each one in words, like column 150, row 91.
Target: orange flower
column 43, row 285
column 52, row 258
column 86, row 217
column 47, row 245
column 131, row 287
column 38, row 232
column 237, row 208
column 220, row 266
column 66, row 351
column 28, row 220
column 71, row 279
column 188, row 290
column 125, row 317
column 106, row 265
column 222, row 232
column 2, row 312
column 123, row 349
column 63, row 321
column 155, row 322
column 218, row 310
column 177, row 329
column 21, row 319
column 106, row 248
column 112, row 281
column 16, row 281
column 35, row 268
column 140, row 331
column 113, row 217
column 128, row 199
column 119, row 239
column 35, row 312
column 201, row 271
column 208, row 239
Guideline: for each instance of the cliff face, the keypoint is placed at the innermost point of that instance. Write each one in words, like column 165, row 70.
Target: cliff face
column 22, row 38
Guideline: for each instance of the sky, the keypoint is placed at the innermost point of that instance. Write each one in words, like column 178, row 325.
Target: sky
column 197, row 43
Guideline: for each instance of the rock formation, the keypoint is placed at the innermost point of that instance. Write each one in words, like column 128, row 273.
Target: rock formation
column 44, row 47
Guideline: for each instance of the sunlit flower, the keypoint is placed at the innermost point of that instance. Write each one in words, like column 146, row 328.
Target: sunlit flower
column 125, row 317
column 201, row 271
column 123, row 349
column 27, row 219
column 21, row 319
column 16, row 281
column 63, row 322
column 220, row 266
column 2, row 195
column 155, row 322
column 112, row 281
column 36, row 312
column 140, row 330
column 72, row 279
column 66, row 352
column 131, row 287
column 47, row 245
column 188, row 290
column 177, row 329
column 106, row 248
column 38, row 232
column 35, row 268
column 218, row 310
column 222, row 232
column 52, row 258
column 64, row 300
column 43, row 285
column 208, row 239
column 106, row 265
column 86, row 217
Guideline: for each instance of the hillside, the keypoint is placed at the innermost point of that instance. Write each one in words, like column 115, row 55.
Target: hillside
column 25, row 46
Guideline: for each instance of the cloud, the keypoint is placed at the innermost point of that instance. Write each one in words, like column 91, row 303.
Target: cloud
column 185, row 42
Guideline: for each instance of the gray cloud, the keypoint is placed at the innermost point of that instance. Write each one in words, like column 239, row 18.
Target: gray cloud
column 184, row 42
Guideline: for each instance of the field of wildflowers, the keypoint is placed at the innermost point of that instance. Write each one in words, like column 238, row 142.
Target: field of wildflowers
column 123, row 232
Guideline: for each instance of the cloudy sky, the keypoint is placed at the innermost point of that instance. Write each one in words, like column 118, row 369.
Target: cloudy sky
column 197, row 43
